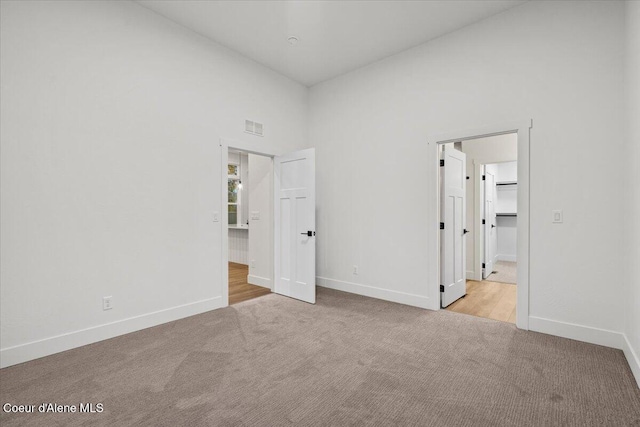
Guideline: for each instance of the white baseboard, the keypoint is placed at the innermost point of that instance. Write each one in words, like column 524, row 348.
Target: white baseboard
column 510, row 258
column 259, row 281
column 572, row 331
column 379, row 293
column 45, row 347
column 632, row 358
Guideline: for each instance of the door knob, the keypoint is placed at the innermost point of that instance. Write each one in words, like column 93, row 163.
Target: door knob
column 464, row 231
column 309, row 233
column 493, row 226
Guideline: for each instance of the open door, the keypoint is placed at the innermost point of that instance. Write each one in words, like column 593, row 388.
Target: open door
column 453, row 283
column 295, row 224
column 490, row 230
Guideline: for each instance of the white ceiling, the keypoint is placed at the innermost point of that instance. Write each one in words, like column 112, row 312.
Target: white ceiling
column 335, row 37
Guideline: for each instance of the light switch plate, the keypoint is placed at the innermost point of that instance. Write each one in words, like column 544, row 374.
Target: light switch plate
column 255, row 215
column 216, row 217
column 557, row 217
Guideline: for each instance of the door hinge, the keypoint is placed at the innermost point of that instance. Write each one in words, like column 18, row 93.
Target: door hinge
column 483, row 221
column 483, row 177
column 441, row 288
column 441, row 162
column 442, row 226
column 483, row 265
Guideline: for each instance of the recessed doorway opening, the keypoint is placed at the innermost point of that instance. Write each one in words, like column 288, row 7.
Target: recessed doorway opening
column 470, row 271
column 278, row 216
column 249, row 218
column 489, row 227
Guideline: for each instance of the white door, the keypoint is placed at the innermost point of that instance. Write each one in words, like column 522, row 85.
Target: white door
column 295, row 225
column 490, row 230
column 453, row 284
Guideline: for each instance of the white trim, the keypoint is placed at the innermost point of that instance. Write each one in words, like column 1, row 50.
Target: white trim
column 262, row 149
column 509, row 258
column 432, row 192
column 632, row 358
column 572, row 331
column 379, row 293
column 265, row 282
column 45, row 347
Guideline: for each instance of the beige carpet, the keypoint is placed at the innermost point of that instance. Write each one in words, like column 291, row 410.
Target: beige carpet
column 504, row 272
column 348, row 360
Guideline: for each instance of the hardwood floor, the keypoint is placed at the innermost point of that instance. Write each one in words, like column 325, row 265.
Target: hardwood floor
column 239, row 289
column 491, row 300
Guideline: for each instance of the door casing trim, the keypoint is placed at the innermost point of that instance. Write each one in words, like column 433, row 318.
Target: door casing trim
column 523, row 130
column 251, row 148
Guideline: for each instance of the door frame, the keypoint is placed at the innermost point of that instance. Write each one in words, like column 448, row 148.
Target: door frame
column 261, row 149
column 522, row 129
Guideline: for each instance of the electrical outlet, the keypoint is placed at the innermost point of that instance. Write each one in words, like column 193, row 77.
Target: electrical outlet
column 253, row 263
column 255, row 215
column 107, row 304
column 355, row 270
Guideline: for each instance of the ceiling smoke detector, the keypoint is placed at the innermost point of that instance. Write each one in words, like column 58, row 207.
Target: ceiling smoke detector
column 292, row 40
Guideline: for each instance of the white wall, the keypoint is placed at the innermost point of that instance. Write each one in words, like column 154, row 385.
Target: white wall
column 260, row 228
column 494, row 149
column 506, row 229
column 506, row 198
column 507, row 172
column 507, row 202
column 559, row 63
column 110, row 123
column 482, row 151
column 632, row 190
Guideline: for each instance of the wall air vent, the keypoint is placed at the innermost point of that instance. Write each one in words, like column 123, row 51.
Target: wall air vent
column 254, row 128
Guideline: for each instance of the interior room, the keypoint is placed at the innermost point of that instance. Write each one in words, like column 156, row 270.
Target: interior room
column 140, row 285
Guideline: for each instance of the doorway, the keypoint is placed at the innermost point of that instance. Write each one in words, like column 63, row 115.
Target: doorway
column 249, row 215
column 491, row 228
column 440, row 235
column 286, row 220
